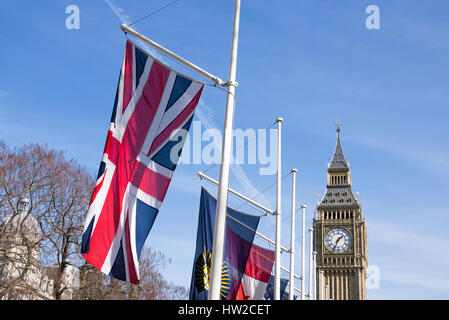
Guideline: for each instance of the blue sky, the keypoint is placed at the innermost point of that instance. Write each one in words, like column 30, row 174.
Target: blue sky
column 307, row 61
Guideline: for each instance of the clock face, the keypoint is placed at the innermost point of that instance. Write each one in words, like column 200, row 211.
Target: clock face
column 338, row 240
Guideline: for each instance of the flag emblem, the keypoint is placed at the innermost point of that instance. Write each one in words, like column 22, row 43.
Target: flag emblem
column 152, row 103
column 240, row 234
column 202, row 274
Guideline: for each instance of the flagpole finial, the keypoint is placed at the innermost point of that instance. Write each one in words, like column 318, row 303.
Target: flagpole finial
column 280, row 119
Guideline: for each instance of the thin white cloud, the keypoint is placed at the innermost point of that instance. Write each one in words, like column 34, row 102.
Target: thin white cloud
column 119, row 12
column 126, row 19
column 425, row 279
column 421, row 156
column 3, row 93
column 411, row 255
column 204, row 113
column 415, row 240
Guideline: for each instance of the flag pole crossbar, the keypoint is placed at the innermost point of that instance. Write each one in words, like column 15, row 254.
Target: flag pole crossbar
column 267, row 239
column 173, row 55
column 257, row 233
column 203, row 176
column 241, row 196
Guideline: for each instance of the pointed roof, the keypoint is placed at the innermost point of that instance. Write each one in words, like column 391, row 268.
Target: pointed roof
column 338, row 162
column 338, row 196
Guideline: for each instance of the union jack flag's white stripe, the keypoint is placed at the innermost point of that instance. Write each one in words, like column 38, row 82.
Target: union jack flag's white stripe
column 152, row 102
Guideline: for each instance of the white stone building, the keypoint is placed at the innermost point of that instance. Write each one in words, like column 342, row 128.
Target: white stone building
column 22, row 277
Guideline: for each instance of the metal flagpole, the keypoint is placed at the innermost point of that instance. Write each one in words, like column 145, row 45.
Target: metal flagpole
column 314, row 276
column 292, row 235
column 272, row 242
column 310, row 262
column 303, row 249
column 277, row 274
column 254, row 203
column 222, row 198
column 173, row 55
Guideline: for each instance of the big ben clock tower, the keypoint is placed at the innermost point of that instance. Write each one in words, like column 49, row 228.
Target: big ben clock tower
column 340, row 236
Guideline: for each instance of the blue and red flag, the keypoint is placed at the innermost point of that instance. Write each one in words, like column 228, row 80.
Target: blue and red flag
column 240, row 232
column 152, row 104
column 257, row 274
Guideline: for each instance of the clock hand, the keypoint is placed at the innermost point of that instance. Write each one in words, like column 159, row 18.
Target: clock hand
column 336, row 242
column 335, row 245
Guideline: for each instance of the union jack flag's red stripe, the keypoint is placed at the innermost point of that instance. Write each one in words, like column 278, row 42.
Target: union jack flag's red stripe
column 152, row 102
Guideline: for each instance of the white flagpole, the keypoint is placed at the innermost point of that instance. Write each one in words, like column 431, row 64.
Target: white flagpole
column 310, row 262
column 277, row 277
column 173, row 55
column 292, row 236
column 314, row 276
column 303, row 250
column 222, row 198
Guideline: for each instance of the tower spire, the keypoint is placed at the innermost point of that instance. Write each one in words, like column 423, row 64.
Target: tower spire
column 338, row 162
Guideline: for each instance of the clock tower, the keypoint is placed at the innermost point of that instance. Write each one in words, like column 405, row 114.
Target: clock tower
column 340, row 236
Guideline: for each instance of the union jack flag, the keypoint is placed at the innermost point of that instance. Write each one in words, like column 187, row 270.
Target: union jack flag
column 152, row 103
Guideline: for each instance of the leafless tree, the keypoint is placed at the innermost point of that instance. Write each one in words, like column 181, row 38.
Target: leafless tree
column 62, row 221
column 48, row 233
column 58, row 191
column 153, row 286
